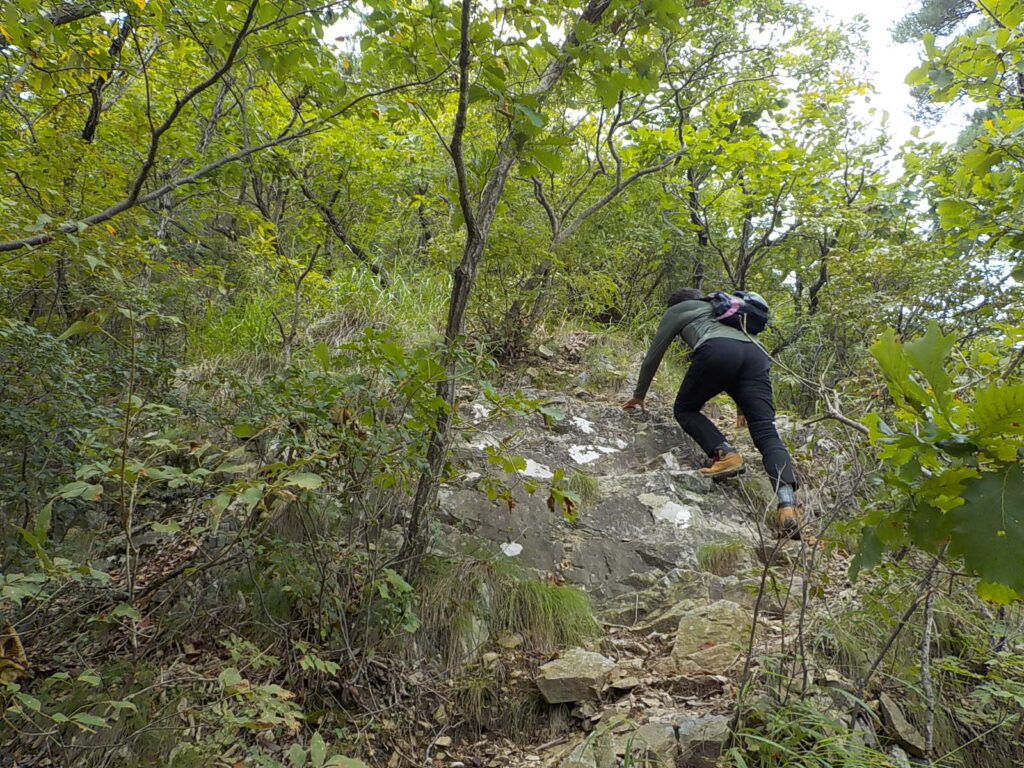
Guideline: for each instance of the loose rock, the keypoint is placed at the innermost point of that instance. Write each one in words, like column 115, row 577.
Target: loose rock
column 902, row 732
column 576, row 676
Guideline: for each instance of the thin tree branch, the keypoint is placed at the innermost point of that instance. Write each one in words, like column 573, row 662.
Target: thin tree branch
column 127, row 203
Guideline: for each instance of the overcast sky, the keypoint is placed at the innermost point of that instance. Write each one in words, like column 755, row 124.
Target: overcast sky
column 889, row 62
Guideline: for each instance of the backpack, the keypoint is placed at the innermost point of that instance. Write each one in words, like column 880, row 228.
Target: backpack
column 744, row 310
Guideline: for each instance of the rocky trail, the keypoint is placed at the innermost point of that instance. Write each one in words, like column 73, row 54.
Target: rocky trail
column 673, row 562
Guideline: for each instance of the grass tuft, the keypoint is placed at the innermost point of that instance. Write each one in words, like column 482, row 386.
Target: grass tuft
column 469, row 600
column 586, row 487
column 721, row 558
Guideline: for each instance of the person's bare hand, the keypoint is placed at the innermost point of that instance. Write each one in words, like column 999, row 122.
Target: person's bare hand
column 633, row 401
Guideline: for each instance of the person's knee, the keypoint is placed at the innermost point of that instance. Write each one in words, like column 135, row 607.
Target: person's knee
column 763, row 433
column 684, row 413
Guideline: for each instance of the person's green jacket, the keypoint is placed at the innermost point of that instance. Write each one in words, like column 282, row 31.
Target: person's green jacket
column 694, row 322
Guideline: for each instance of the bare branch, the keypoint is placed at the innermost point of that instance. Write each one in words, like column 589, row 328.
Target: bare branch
column 459, row 129
column 608, row 196
column 191, row 178
column 538, row 192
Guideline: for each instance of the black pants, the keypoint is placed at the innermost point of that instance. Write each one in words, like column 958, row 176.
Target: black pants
column 740, row 369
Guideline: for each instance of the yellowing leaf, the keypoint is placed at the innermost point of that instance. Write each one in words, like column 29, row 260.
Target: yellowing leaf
column 110, row 228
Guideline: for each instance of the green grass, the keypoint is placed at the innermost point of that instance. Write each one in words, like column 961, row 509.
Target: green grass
column 586, row 487
column 470, row 600
column 721, row 558
column 245, row 333
column 799, row 735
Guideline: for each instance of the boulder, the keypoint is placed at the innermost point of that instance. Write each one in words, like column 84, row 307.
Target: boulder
column 653, row 744
column 668, row 619
column 701, row 737
column 581, row 756
column 900, row 729
column 722, row 622
column 691, row 480
column 575, row 676
column 716, row 660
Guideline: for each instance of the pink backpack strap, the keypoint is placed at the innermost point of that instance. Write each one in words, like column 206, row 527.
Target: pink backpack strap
column 734, row 306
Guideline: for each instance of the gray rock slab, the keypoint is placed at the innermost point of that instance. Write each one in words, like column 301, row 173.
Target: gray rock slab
column 723, row 621
column 577, row 675
column 701, row 737
column 899, row 728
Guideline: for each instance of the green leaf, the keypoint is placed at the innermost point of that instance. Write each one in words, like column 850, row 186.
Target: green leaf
column 29, row 701
column 297, row 756
column 84, row 719
column 996, row 593
column 128, row 611
column 892, row 359
column 345, row 762
column 550, row 160
column 42, row 526
column 998, row 410
column 89, row 678
column 170, row 527
column 306, row 480
column 940, row 77
column 392, row 351
column 317, row 750
column 479, row 92
column 230, row 677
column 39, row 224
column 252, row 495
column 243, row 431
column 917, row 75
column 551, row 413
column 928, row 354
column 322, row 354
column 988, row 529
column 217, row 507
column 869, row 553
column 607, row 92
column 80, row 489
column 395, row 579
column 536, row 118
column 78, row 327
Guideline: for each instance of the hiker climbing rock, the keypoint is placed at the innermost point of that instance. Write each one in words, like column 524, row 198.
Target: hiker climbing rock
column 725, row 358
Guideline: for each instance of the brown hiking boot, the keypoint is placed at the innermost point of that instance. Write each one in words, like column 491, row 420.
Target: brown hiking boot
column 791, row 524
column 724, row 465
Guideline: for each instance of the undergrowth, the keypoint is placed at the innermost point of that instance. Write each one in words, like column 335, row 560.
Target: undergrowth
column 469, row 601
column 721, row 558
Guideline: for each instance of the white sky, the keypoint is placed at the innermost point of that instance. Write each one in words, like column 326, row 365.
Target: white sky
column 889, row 63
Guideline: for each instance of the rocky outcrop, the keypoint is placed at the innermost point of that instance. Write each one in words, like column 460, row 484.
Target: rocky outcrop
column 650, row 513
column 576, row 675
column 670, row 559
column 710, row 638
column 900, row 729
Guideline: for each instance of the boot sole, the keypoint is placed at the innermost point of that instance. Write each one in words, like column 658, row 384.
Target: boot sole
column 727, row 473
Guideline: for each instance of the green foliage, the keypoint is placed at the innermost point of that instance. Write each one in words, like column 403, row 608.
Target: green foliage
column 473, row 600
column 287, row 197
column 979, row 195
column 721, row 558
column 586, row 487
column 953, row 466
column 800, row 735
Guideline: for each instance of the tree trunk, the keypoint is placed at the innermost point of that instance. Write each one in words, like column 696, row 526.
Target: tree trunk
column 478, row 225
